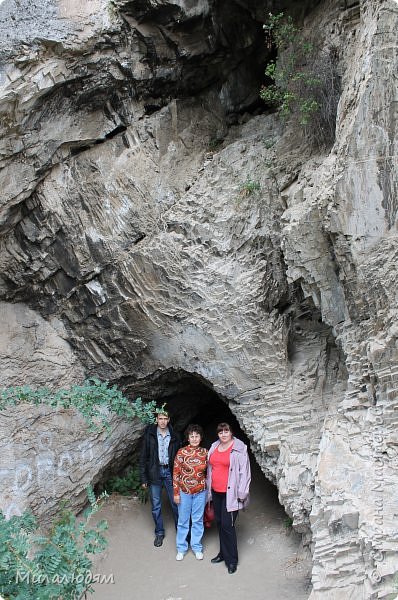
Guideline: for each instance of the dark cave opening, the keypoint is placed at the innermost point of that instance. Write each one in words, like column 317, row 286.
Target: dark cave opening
column 190, row 399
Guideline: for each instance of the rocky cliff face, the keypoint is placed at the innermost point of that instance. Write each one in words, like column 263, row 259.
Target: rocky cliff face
column 157, row 227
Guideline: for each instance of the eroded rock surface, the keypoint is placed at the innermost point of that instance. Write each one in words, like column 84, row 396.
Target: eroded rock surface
column 49, row 456
column 149, row 208
column 34, row 351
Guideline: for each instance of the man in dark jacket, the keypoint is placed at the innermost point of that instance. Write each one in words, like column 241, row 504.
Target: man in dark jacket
column 159, row 447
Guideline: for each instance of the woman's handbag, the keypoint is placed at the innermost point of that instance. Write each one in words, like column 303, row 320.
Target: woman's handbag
column 208, row 515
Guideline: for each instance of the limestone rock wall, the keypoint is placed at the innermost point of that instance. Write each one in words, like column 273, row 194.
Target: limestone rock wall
column 354, row 511
column 156, row 222
column 35, row 351
column 51, row 456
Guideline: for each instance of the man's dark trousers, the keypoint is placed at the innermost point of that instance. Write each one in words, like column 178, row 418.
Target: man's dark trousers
column 155, row 490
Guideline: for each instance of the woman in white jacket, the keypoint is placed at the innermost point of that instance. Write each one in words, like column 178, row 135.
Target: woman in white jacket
column 228, row 481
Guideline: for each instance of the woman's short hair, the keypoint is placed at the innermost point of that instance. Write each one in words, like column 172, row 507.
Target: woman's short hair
column 193, row 428
column 222, row 426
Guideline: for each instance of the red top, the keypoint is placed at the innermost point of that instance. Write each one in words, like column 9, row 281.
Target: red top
column 220, row 469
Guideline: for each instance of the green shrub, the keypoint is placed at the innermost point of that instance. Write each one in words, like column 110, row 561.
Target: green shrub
column 56, row 566
column 288, row 523
column 93, row 399
column 249, row 187
column 34, row 566
column 127, row 485
column 269, row 142
column 306, row 84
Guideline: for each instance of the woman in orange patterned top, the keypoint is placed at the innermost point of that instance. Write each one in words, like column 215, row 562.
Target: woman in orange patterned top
column 189, row 483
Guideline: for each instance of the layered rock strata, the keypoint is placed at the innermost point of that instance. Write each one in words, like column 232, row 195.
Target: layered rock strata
column 354, row 510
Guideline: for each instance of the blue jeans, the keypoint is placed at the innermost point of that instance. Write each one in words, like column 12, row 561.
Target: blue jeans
column 192, row 507
column 156, row 499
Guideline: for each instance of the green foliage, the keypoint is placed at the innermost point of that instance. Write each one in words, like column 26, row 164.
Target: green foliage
column 269, row 142
column 95, row 400
column 249, row 187
column 34, row 566
column 305, row 81
column 288, row 523
column 161, row 410
column 280, row 31
column 286, row 72
column 127, row 485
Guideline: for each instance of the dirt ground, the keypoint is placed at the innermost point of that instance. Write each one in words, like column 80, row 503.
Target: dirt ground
column 272, row 563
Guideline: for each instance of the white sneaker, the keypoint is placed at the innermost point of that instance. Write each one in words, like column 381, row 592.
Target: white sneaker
column 179, row 556
column 199, row 555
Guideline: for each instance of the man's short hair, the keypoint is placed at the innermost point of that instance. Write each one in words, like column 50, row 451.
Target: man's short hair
column 162, row 411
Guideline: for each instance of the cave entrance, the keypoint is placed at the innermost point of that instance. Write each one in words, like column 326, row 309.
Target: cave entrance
column 190, row 399
column 266, row 543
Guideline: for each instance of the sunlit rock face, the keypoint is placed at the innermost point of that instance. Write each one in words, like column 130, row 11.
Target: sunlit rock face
column 154, row 221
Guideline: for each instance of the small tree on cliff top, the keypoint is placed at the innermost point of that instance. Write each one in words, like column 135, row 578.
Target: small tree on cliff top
column 306, row 85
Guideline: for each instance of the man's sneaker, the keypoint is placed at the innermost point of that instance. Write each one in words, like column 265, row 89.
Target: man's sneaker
column 199, row 555
column 158, row 541
column 179, row 556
